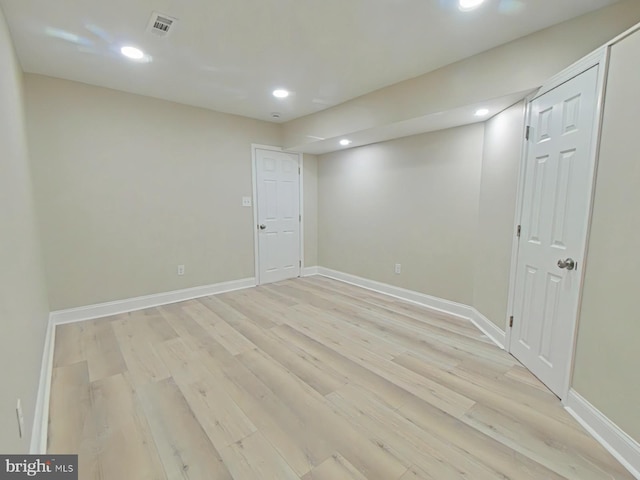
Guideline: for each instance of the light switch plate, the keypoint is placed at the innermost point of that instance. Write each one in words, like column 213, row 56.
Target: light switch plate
column 246, row 201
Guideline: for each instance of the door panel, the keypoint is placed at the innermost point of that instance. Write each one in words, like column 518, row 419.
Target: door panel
column 562, row 196
column 555, row 214
column 539, row 182
column 278, row 211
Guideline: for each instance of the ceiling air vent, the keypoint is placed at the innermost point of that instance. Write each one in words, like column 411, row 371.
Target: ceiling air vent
column 161, row 24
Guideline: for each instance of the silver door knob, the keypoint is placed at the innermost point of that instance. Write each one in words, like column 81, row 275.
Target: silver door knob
column 263, row 226
column 569, row 263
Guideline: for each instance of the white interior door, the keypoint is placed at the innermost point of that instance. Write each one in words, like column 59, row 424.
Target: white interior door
column 278, row 215
column 557, row 191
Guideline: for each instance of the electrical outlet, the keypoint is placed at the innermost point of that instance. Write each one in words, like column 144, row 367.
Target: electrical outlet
column 398, row 269
column 180, row 269
column 246, row 201
column 20, row 418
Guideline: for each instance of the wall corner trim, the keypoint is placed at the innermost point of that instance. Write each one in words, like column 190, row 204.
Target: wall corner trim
column 617, row 442
column 489, row 328
column 436, row 304
column 39, row 430
column 309, row 271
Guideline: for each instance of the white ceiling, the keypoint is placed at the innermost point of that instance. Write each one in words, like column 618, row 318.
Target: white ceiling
column 437, row 121
column 228, row 55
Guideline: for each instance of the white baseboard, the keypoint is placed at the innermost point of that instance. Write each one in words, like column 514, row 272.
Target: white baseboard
column 139, row 303
column 436, row 304
column 624, row 448
column 41, row 414
column 619, row 444
column 309, row 271
column 489, row 328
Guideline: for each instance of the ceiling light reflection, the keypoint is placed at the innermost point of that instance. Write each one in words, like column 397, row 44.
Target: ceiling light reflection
column 281, row 93
column 68, row 36
column 467, row 5
column 134, row 53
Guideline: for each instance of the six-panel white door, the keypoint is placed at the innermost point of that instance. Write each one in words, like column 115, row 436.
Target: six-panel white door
column 278, row 214
column 555, row 214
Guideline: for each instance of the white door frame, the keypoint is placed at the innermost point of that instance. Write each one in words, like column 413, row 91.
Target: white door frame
column 599, row 57
column 254, row 177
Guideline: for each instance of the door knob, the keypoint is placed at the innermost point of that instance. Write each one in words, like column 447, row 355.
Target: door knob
column 263, row 226
column 569, row 263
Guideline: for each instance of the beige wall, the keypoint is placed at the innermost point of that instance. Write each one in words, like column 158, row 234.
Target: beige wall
column 23, row 299
column 521, row 65
column 310, row 186
column 607, row 355
column 412, row 201
column 442, row 204
column 502, row 155
column 128, row 187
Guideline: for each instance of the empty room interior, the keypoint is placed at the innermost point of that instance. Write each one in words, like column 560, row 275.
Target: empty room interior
column 359, row 240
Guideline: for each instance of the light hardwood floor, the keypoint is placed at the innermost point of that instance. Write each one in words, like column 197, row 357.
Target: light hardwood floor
column 307, row 379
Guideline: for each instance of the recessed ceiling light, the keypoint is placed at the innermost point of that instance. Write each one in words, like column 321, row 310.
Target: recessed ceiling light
column 345, row 142
column 132, row 52
column 468, row 5
column 482, row 112
column 281, row 93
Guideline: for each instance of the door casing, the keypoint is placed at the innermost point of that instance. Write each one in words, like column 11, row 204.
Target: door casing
column 599, row 57
column 254, row 180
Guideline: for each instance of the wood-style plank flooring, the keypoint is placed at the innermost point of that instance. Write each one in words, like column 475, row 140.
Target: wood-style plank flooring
column 308, row 379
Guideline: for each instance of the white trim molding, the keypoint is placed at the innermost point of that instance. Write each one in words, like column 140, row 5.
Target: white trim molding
column 99, row 310
column 598, row 58
column 617, row 442
column 41, row 415
column 489, row 328
column 254, row 181
column 309, row 271
column 435, row 304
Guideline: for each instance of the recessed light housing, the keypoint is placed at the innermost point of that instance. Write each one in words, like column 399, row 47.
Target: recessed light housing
column 468, row 5
column 132, row 52
column 345, row 142
column 281, row 93
column 482, row 112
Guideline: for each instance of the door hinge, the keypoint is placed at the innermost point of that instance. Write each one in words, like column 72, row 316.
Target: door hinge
column 527, row 132
column 299, row 218
column 298, row 170
column 519, row 231
column 511, row 321
column 300, row 263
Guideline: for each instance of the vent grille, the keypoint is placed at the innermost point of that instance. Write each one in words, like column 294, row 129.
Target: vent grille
column 161, row 25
